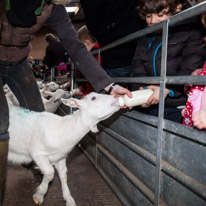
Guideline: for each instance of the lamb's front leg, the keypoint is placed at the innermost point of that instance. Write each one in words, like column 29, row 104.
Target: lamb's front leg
column 48, row 175
column 62, row 171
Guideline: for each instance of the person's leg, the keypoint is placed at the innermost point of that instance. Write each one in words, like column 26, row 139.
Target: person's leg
column 4, row 139
column 21, row 81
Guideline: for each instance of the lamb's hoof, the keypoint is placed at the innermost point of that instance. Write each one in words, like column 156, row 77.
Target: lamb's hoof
column 38, row 199
column 71, row 203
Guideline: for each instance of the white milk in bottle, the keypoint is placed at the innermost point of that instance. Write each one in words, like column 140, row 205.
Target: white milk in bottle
column 138, row 97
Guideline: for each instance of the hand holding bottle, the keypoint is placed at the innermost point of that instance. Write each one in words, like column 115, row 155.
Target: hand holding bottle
column 139, row 97
column 154, row 98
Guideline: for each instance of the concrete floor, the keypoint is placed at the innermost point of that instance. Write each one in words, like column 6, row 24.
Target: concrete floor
column 87, row 186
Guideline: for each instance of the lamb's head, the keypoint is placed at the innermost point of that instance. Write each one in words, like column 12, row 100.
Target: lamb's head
column 60, row 93
column 95, row 107
column 51, row 86
column 40, row 84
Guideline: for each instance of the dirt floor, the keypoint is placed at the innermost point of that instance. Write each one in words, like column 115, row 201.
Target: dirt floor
column 87, row 186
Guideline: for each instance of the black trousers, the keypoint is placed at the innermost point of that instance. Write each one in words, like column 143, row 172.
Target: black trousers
column 20, row 79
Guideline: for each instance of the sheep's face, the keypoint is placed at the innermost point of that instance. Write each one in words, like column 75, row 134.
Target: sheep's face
column 96, row 107
column 100, row 106
column 51, row 86
column 40, row 84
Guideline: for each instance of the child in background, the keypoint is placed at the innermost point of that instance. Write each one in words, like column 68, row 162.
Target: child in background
column 196, row 105
column 195, row 111
column 89, row 41
column 184, row 55
column 91, row 44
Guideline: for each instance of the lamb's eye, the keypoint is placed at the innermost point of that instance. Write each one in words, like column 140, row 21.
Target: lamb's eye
column 93, row 98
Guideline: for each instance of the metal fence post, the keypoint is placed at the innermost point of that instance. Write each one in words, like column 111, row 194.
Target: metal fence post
column 161, row 112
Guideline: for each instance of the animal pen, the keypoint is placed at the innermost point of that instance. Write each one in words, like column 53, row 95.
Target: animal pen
column 148, row 160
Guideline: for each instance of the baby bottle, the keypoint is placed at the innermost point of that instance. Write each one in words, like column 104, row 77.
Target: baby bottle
column 138, row 97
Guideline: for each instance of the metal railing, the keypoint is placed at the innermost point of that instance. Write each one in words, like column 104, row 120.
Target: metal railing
column 162, row 80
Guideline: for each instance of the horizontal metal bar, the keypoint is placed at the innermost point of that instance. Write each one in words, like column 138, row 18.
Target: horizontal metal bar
column 170, row 126
column 181, row 177
column 180, row 80
column 135, row 148
column 198, row 80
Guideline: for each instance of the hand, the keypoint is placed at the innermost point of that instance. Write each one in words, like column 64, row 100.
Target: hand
column 154, row 99
column 119, row 91
column 199, row 119
column 187, row 87
column 196, row 72
column 183, row 112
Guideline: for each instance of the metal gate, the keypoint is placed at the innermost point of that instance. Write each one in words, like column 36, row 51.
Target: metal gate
column 148, row 160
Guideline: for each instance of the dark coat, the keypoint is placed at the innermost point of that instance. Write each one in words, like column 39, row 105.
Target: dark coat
column 184, row 55
column 110, row 20
column 55, row 54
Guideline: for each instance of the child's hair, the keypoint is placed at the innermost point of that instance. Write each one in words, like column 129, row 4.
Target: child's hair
column 84, row 34
column 156, row 6
column 50, row 37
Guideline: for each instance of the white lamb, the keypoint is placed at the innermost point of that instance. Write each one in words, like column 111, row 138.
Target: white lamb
column 51, row 87
column 52, row 104
column 40, row 84
column 47, row 138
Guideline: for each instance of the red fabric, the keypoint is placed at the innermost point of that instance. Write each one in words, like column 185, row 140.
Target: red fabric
column 187, row 120
column 95, row 47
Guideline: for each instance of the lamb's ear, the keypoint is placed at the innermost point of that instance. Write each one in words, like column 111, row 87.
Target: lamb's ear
column 94, row 129
column 72, row 102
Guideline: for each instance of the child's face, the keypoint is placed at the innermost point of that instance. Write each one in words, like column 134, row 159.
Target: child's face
column 88, row 44
column 152, row 19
